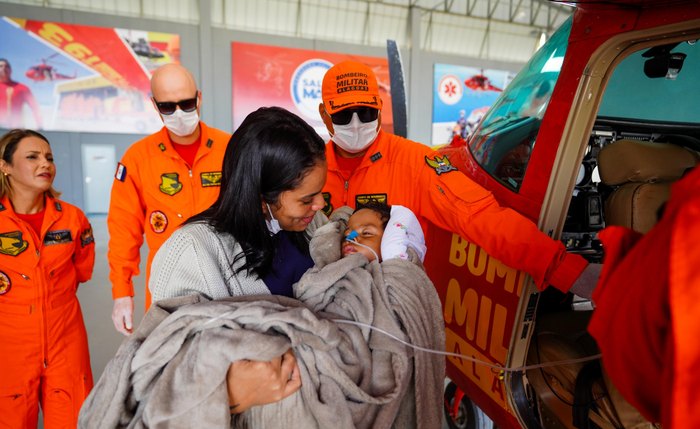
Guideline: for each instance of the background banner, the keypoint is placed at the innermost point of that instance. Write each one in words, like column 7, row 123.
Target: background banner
column 67, row 77
column 266, row 75
column 461, row 97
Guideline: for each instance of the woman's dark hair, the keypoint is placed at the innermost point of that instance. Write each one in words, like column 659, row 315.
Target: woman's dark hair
column 8, row 147
column 269, row 153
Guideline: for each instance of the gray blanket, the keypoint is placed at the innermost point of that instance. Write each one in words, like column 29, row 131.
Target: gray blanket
column 172, row 371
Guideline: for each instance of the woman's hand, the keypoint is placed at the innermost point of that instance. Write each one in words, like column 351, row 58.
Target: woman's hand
column 252, row 382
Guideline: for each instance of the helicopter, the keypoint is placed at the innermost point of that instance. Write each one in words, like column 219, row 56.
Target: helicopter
column 479, row 82
column 45, row 72
column 144, row 49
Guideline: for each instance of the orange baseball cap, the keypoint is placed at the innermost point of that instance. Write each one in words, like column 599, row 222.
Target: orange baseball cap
column 349, row 84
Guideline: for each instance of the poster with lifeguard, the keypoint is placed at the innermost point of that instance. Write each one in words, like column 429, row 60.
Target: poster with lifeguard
column 67, row 77
column 266, row 75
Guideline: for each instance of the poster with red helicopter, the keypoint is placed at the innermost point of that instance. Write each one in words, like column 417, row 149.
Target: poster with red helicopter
column 67, row 77
column 461, row 97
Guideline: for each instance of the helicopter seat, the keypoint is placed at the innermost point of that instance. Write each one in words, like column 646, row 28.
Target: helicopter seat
column 641, row 174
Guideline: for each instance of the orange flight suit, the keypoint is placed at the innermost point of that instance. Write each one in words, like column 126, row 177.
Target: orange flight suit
column 399, row 171
column 647, row 316
column 154, row 192
column 43, row 344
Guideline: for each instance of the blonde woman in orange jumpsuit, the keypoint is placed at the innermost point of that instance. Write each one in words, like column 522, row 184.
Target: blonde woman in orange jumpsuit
column 46, row 249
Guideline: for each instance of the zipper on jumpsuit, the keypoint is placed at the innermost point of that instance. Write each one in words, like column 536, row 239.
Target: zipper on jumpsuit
column 44, row 305
column 176, row 156
column 45, row 284
column 43, row 292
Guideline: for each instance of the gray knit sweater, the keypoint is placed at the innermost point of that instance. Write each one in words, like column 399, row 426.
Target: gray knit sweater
column 197, row 259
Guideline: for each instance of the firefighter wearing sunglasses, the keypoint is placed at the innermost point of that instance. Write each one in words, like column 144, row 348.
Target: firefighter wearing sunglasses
column 160, row 182
column 366, row 164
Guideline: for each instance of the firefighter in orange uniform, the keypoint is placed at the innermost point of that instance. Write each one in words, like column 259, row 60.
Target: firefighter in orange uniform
column 647, row 303
column 366, row 163
column 160, row 182
column 46, row 249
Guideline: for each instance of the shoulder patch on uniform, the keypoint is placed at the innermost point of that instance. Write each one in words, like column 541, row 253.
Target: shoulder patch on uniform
column 158, row 221
column 5, row 283
column 161, row 146
column 170, row 183
column 57, row 237
column 210, row 143
column 328, row 208
column 440, row 165
column 12, row 244
column 376, row 157
column 120, row 174
column 210, row 178
column 362, row 199
column 86, row 237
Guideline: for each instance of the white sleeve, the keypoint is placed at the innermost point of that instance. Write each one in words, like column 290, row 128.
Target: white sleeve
column 186, row 264
column 402, row 231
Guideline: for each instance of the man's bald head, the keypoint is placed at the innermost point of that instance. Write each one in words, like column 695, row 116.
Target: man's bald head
column 172, row 82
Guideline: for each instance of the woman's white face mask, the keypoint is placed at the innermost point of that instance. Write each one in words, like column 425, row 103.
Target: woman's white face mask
column 181, row 123
column 355, row 136
column 273, row 224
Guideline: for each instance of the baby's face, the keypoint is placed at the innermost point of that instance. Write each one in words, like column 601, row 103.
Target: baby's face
column 370, row 230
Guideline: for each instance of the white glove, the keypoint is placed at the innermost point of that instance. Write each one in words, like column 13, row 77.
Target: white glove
column 402, row 231
column 587, row 281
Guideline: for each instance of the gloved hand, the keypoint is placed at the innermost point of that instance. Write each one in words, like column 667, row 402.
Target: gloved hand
column 402, row 231
column 123, row 315
column 587, row 281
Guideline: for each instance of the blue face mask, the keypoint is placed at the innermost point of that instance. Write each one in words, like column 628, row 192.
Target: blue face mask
column 272, row 225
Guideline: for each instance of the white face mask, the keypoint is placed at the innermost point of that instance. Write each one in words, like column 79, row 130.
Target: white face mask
column 355, row 136
column 181, row 123
column 272, row 225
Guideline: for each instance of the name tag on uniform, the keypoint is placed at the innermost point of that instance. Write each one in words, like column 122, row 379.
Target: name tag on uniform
column 211, row 178
column 363, row 199
column 57, row 237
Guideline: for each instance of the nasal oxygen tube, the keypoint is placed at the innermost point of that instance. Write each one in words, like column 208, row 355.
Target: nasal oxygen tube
column 351, row 238
column 502, row 369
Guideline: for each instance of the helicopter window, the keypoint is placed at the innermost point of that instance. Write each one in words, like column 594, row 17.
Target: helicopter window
column 667, row 74
column 506, row 137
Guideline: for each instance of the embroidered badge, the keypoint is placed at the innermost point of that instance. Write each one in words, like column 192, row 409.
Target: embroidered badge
column 2, row 207
column 158, row 221
column 161, row 146
column 440, row 165
column 86, row 237
column 211, row 178
column 57, row 237
column 120, row 174
column 170, row 183
column 210, row 142
column 328, row 208
column 376, row 157
column 11, row 243
column 58, row 206
column 5, row 283
column 362, row 199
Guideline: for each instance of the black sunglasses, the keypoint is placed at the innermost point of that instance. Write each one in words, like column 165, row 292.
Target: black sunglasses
column 169, row 107
column 366, row 114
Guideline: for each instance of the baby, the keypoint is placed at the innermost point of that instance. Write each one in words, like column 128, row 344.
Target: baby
column 379, row 231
